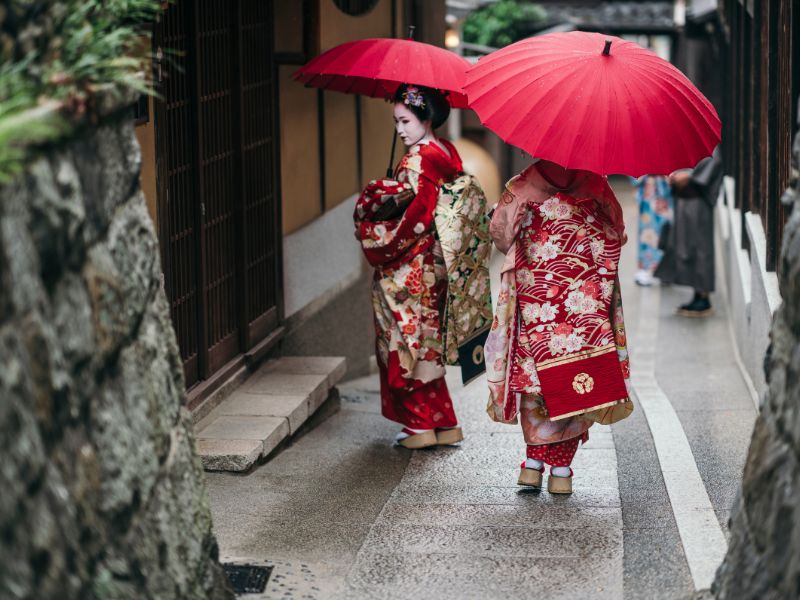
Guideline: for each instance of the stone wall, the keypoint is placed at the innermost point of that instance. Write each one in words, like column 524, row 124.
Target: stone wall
column 102, row 494
column 763, row 559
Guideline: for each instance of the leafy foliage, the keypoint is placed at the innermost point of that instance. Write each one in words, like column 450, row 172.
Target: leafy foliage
column 503, row 22
column 58, row 55
column 20, row 128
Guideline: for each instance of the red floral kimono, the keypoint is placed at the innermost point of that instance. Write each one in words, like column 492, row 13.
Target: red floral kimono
column 557, row 351
column 410, row 288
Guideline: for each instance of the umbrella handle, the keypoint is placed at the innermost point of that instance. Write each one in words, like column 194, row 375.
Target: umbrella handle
column 390, row 170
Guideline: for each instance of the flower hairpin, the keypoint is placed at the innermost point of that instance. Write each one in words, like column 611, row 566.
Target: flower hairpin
column 413, row 97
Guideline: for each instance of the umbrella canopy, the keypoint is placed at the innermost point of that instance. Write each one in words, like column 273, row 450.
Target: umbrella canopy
column 594, row 102
column 376, row 67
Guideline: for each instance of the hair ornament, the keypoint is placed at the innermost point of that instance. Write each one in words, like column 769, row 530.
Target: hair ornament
column 413, row 97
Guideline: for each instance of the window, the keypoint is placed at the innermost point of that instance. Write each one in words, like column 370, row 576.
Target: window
column 355, row 7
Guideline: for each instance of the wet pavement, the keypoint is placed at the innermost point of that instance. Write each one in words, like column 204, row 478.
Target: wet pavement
column 341, row 513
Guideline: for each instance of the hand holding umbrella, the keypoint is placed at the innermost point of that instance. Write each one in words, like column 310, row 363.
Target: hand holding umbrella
column 377, row 67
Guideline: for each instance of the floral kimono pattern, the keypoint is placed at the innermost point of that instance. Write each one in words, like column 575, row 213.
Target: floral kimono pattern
column 409, row 288
column 566, row 263
column 559, row 297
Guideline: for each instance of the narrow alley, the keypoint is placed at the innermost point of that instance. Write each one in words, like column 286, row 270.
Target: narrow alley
column 234, row 234
column 342, row 513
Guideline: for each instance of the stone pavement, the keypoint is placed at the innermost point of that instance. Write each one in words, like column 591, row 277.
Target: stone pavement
column 341, row 513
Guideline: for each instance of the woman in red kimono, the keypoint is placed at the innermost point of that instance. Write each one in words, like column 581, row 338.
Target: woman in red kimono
column 556, row 356
column 395, row 225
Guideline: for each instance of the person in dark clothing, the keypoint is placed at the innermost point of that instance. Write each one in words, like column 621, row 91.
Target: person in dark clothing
column 689, row 253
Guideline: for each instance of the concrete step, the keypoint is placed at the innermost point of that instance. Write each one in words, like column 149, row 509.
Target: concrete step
column 269, row 406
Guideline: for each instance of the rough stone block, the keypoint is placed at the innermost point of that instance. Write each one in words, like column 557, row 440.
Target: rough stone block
column 108, row 168
column 20, row 262
column 228, row 455
column 122, row 275
column 57, row 213
column 72, row 319
column 103, row 496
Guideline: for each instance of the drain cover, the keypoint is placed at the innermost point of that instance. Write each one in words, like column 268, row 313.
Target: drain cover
column 247, row 579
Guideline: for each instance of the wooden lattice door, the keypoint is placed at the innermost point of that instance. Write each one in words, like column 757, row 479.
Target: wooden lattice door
column 218, row 212
column 262, row 231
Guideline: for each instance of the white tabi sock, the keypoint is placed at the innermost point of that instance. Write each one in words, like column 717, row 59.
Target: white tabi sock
column 560, row 471
column 532, row 463
column 403, row 435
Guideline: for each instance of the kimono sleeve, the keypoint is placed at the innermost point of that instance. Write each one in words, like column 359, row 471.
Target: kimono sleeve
column 506, row 220
column 612, row 209
column 386, row 241
column 707, row 177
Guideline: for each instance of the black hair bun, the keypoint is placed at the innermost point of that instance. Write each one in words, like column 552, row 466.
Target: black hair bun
column 434, row 108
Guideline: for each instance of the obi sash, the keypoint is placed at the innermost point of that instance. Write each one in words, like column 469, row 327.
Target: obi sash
column 462, row 227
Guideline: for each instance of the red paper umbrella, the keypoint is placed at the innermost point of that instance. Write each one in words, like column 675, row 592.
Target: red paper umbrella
column 376, row 67
column 595, row 102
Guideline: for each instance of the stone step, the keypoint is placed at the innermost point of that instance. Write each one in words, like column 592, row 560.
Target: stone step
column 269, row 406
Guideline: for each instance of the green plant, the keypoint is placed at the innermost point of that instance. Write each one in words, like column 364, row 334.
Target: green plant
column 503, row 22
column 56, row 56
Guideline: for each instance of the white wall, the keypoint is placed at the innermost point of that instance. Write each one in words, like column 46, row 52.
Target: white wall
column 752, row 291
column 320, row 260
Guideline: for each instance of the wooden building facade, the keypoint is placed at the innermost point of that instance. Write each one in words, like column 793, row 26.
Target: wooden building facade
column 760, row 49
column 236, row 156
column 218, row 213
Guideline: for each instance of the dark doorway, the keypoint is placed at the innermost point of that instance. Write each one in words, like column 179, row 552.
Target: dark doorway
column 218, row 207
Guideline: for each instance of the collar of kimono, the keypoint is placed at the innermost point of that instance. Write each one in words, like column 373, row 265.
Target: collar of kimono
column 532, row 180
column 434, row 163
column 530, row 186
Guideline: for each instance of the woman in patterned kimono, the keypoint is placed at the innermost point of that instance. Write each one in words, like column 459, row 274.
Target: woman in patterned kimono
column 395, row 224
column 655, row 209
column 556, row 354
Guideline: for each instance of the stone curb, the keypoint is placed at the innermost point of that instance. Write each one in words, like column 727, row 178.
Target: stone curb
column 268, row 407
